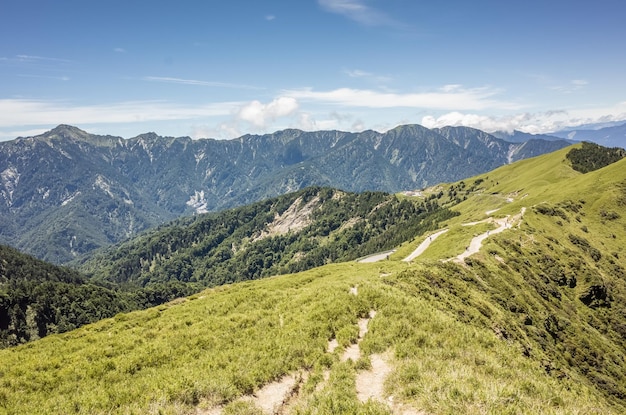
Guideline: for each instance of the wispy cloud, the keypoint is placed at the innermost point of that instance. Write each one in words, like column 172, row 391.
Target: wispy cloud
column 21, row 112
column 119, row 50
column 573, row 86
column 270, row 17
column 33, row 58
column 357, row 73
column 449, row 97
column 197, row 82
column 358, row 11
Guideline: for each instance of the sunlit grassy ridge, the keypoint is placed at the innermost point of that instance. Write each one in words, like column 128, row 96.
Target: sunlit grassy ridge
column 533, row 323
column 228, row 342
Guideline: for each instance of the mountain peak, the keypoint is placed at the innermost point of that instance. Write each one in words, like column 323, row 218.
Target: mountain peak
column 67, row 131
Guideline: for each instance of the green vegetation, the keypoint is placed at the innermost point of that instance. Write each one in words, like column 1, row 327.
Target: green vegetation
column 591, row 156
column 319, row 226
column 37, row 298
column 532, row 323
column 449, row 356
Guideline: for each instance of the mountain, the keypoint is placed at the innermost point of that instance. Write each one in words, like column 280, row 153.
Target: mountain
column 516, row 136
column 613, row 136
column 66, row 192
column 513, row 305
column 289, row 233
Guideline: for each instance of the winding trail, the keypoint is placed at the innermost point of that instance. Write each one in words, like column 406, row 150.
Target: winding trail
column 424, row 245
column 476, row 242
column 376, row 257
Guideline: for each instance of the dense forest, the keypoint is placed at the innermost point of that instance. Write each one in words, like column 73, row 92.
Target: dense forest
column 591, row 156
column 38, row 298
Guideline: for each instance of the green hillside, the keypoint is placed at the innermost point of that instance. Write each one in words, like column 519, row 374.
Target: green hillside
column 289, row 233
column 533, row 322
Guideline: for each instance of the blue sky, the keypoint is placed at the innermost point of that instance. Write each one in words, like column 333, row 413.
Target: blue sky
column 221, row 69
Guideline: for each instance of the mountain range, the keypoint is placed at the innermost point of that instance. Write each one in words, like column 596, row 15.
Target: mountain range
column 67, row 192
column 611, row 136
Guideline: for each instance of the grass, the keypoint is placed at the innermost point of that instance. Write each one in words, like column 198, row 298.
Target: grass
column 227, row 342
column 505, row 333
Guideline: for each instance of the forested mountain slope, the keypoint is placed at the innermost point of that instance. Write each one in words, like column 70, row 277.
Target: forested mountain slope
column 290, row 233
column 532, row 322
column 38, row 298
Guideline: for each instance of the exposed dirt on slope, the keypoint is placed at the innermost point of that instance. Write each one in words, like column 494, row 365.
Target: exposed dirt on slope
column 295, row 218
column 370, row 383
column 273, row 396
column 354, row 351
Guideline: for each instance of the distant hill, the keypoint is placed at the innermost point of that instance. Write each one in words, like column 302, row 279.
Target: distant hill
column 67, row 192
column 613, row 136
column 514, row 305
column 516, row 136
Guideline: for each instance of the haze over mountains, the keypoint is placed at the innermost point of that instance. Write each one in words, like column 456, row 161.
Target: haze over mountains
column 67, row 192
column 612, row 136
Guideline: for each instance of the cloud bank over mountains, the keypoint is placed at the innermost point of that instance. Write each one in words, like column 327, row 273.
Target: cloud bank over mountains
column 346, row 109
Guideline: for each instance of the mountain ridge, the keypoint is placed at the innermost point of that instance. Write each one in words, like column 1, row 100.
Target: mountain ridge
column 67, row 192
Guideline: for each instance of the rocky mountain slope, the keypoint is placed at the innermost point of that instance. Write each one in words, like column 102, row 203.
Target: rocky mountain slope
column 67, row 192
column 516, row 308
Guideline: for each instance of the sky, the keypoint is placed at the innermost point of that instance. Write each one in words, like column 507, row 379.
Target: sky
column 222, row 69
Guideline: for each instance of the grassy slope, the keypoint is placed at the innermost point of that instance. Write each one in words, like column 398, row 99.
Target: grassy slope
column 502, row 334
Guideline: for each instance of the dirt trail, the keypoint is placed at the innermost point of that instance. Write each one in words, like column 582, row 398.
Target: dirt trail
column 278, row 397
column 273, row 396
column 476, row 242
column 354, row 351
column 424, row 245
column 370, row 383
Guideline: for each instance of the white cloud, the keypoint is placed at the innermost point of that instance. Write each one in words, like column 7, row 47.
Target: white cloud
column 22, row 112
column 196, row 82
column 260, row 114
column 308, row 122
column 357, row 73
column 119, row 50
column 448, row 98
column 270, row 17
column 535, row 123
column 356, row 10
column 572, row 86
